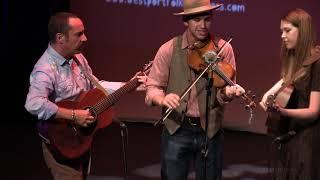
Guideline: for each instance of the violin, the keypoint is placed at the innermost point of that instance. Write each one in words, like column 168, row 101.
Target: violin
column 223, row 72
column 196, row 62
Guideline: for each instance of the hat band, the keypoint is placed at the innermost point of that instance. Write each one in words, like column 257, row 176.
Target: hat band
column 198, row 9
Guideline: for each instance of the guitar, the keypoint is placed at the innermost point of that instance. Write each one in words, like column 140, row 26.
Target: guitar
column 71, row 141
column 274, row 123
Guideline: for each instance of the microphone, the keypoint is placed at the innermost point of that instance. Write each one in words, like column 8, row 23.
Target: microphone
column 210, row 57
column 285, row 137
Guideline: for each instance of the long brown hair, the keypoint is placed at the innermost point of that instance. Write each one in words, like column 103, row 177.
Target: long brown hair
column 292, row 59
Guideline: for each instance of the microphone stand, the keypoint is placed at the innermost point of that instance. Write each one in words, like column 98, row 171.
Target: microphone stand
column 169, row 110
column 204, row 151
column 211, row 63
column 124, row 135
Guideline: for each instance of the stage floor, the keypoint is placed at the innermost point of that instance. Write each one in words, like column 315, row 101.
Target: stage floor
column 246, row 155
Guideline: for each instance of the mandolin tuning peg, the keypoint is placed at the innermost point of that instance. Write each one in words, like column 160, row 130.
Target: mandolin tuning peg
column 253, row 96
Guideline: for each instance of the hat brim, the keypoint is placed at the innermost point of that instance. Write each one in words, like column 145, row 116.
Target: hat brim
column 192, row 12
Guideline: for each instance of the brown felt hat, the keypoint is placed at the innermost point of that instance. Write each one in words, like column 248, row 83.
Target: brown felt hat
column 191, row 7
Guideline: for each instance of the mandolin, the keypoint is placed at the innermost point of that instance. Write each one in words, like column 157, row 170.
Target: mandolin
column 275, row 124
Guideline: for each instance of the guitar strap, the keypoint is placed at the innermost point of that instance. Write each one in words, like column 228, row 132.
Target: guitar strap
column 284, row 85
column 89, row 76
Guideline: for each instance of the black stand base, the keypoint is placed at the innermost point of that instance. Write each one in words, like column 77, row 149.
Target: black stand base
column 124, row 136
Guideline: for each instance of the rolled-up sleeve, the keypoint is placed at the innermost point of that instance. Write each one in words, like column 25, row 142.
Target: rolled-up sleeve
column 228, row 56
column 159, row 73
column 37, row 102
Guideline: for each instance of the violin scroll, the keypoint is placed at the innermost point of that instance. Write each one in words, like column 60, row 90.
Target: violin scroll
column 250, row 103
column 250, row 100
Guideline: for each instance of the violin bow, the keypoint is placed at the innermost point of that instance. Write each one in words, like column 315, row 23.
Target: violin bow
column 169, row 110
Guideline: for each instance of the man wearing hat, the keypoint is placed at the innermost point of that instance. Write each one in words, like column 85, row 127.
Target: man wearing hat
column 183, row 137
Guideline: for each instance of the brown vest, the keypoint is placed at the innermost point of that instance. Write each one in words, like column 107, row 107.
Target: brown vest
column 179, row 80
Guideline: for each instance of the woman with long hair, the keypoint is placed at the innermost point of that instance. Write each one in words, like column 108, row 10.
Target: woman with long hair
column 298, row 156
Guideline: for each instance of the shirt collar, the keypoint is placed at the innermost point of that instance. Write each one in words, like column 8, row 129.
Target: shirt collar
column 55, row 55
column 184, row 43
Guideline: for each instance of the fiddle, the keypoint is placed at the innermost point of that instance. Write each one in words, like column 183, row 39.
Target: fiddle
column 196, row 62
column 223, row 72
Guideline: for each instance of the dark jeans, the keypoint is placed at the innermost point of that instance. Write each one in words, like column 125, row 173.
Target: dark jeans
column 184, row 147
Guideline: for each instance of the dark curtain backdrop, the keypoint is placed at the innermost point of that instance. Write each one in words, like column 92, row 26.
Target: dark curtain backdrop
column 121, row 38
column 23, row 38
column 124, row 36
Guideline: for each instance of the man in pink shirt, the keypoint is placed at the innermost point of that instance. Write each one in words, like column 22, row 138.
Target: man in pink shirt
column 62, row 74
column 184, row 135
